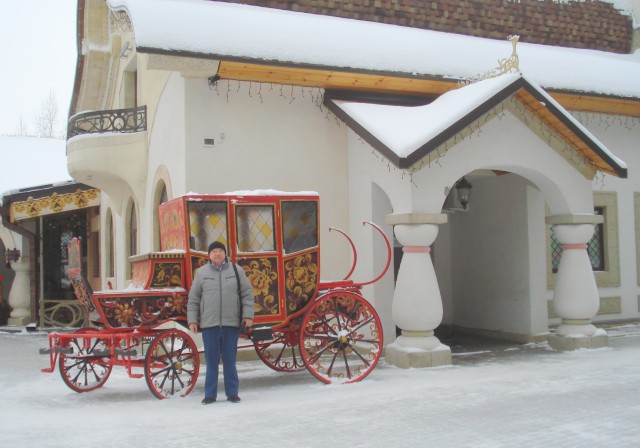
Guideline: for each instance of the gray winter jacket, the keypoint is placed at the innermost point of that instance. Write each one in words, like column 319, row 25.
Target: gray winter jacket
column 213, row 299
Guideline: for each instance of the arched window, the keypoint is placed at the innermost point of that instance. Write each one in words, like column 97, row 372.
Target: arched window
column 132, row 234
column 110, row 246
column 161, row 197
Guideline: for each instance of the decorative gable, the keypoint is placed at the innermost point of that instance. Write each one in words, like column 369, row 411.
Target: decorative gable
column 409, row 134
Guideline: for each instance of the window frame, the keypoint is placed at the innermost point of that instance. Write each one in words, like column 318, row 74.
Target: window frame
column 238, row 222
column 199, row 206
column 285, row 246
column 610, row 276
column 598, row 235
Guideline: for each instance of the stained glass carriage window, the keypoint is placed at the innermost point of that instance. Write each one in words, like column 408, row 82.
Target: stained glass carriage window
column 299, row 225
column 595, row 248
column 255, row 228
column 207, row 223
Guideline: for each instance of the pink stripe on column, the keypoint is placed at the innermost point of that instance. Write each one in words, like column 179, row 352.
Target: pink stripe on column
column 574, row 246
column 416, row 249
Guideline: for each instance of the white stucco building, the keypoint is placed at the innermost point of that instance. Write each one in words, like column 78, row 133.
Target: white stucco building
column 216, row 97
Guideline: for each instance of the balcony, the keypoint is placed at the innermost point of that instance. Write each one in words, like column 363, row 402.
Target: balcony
column 108, row 121
column 108, row 150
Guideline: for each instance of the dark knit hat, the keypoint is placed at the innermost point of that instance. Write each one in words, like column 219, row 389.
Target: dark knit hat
column 217, row 245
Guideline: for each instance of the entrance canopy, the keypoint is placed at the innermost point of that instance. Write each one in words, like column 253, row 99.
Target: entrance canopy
column 407, row 134
column 28, row 203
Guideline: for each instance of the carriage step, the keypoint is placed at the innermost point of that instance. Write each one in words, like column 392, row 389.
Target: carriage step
column 64, row 350
column 261, row 334
column 131, row 352
column 46, row 351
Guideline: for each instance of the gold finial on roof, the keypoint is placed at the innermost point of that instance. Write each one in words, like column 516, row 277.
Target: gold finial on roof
column 512, row 63
column 505, row 65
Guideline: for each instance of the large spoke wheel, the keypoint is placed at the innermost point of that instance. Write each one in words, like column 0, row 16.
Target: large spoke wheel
column 282, row 353
column 341, row 338
column 84, row 363
column 172, row 364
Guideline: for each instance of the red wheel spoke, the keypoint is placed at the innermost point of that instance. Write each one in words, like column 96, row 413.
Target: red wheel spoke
column 167, row 364
column 285, row 358
column 333, row 360
column 82, row 370
column 364, row 361
column 340, row 338
column 279, row 357
column 321, row 336
column 346, row 364
column 318, row 354
column 362, row 325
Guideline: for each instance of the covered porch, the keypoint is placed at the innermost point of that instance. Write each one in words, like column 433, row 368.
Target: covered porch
column 482, row 267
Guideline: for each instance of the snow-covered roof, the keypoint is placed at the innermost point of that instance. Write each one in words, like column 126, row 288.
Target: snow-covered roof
column 264, row 192
column 399, row 132
column 252, row 33
column 30, row 162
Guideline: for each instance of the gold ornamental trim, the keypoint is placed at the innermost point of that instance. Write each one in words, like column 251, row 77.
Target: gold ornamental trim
column 54, row 203
column 157, row 256
column 510, row 64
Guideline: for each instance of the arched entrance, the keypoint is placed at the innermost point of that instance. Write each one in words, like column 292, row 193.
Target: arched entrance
column 57, row 232
column 490, row 261
column 494, row 271
column 46, row 218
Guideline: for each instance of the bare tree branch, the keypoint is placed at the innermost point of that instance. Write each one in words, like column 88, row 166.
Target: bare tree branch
column 47, row 120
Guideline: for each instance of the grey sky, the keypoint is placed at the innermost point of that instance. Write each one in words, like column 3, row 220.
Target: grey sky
column 38, row 56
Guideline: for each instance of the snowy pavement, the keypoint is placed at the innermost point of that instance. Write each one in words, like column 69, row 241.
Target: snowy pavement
column 495, row 395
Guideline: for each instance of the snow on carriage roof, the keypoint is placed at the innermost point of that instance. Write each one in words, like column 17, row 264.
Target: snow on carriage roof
column 265, row 192
column 270, row 35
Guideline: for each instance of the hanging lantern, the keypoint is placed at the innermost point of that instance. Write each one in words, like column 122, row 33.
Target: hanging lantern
column 464, row 192
column 12, row 255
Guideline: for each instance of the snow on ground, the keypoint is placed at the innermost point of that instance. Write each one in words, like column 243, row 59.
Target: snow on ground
column 495, row 395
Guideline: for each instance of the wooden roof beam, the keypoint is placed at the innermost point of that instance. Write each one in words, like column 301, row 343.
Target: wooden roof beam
column 396, row 84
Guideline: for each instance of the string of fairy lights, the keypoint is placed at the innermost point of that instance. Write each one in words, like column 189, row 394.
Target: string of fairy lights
column 291, row 93
column 593, row 119
column 286, row 92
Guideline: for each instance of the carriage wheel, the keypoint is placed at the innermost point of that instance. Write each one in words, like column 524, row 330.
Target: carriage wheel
column 87, row 367
column 282, row 353
column 341, row 338
column 172, row 364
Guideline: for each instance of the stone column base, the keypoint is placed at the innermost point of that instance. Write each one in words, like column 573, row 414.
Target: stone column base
column 18, row 321
column 406, row 357
column 562, row 343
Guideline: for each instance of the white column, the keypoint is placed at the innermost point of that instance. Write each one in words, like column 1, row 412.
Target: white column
column 417, row 304
column 575, row 298
column 19, row 295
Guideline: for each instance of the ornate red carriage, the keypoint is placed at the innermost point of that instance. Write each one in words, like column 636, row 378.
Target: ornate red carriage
column 300, row 321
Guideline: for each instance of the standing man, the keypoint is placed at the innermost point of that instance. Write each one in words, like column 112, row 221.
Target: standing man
column 220, row 301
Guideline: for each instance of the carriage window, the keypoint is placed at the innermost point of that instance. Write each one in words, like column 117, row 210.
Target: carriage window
column 255, row 228
column 299, row 225
column 208, row 223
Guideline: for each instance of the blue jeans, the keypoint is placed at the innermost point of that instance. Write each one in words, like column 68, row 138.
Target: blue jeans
column 221, row 341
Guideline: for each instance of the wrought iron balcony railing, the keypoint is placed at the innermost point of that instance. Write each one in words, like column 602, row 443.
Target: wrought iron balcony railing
column 116, row 120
